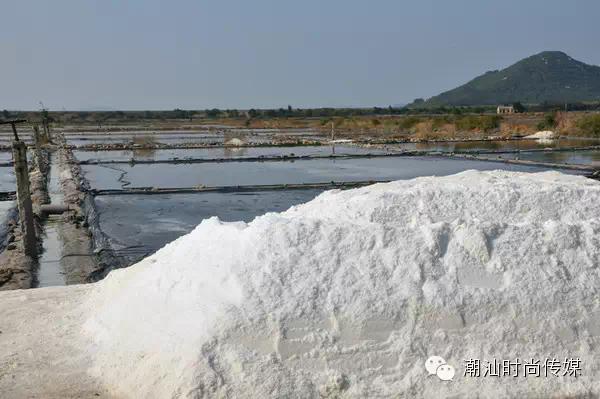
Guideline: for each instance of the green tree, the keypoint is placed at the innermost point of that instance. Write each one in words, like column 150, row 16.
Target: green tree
column 518, row 107
column 213, row 113
column 590, row 125
column 549, row 121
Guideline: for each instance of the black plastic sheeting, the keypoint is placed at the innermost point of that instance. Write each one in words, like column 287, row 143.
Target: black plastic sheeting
column 107, row 259
column 138, row 225
column 13, row 215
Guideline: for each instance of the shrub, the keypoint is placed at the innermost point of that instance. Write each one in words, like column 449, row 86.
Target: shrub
column 518, row 107
column 440, row 121
column 408, row 122
column 480, row 122
column 590, row 125
column 549, row 122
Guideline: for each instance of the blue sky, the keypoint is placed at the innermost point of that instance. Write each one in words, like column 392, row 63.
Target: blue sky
column 151, row 54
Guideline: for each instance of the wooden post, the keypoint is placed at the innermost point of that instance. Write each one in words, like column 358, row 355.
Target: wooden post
column 46, row 127
column 24, row 198
column 332, row 138
column 332, row 131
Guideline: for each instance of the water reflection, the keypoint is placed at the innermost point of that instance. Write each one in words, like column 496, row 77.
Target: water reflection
column 501, row 145
column 305, row 171
column 228, row 152
column 234, row 152
column 138, row 225
column 569, row 157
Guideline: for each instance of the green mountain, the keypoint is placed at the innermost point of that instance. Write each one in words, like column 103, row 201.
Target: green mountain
column 550, row 76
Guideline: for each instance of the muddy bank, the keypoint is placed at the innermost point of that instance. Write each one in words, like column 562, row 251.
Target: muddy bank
column 173, row 146
column 92, row 255
column 7, row 227
column 70, row 258
column 282, row 142
column 474, row 157
column 18, row 270
column 80, row 259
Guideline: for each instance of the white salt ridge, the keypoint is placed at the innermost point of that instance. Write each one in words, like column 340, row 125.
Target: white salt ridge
column 542, row 135
column 350, row 293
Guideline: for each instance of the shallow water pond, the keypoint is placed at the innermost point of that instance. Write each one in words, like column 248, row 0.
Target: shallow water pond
column 5, row 156
column 226, row 152
column 302, row 171
column 7, row 178
column 591, row 158
column 138, row 225
column 499, row 145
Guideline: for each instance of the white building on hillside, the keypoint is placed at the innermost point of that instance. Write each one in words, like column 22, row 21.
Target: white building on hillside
column 505, row 109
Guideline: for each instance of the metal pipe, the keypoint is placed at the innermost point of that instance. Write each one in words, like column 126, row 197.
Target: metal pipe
column 54, row 209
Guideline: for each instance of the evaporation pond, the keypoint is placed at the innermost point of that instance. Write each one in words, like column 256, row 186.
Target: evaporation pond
column 7, row 178
column 303, row 171
column 138, row 225
column 498, row 145
column 224, row 152
column 591, row 158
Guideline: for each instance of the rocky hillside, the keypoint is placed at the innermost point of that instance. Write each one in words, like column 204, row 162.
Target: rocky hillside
column 550, row 76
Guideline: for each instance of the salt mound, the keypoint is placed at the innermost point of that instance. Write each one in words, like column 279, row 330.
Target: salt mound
column 544, row 134
column 234, row 142
column 349, row 294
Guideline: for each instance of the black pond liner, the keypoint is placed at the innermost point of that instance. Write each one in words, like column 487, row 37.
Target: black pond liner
column 106, row 257
column 12, row 215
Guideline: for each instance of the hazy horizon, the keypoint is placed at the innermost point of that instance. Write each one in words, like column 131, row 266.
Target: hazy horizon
column 155, row 55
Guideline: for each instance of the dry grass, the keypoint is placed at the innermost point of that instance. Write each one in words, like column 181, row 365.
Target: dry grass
column 511, row 128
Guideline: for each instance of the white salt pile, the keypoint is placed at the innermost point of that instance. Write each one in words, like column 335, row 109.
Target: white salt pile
column 349, row 294
column 542, row 135
column 234, row 142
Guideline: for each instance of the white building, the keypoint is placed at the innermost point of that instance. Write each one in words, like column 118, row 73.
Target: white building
column 505, row 109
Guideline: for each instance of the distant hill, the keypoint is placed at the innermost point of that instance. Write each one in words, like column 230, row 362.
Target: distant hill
column 550, row 76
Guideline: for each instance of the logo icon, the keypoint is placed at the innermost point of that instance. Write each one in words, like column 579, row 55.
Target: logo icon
column 436, row 365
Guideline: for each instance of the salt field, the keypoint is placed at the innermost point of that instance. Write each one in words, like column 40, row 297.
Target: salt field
column 170, row 137
column 111, row 233
column 7, row 178
column 591, row 158
column 498, row 145
column 349, row 293
column 305, row 171
column 225, row 152
column 5, row 156
column 139, row 225
column 308, row 200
